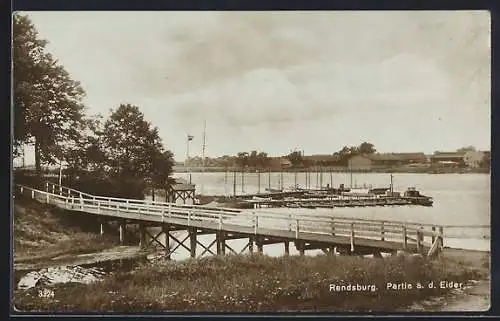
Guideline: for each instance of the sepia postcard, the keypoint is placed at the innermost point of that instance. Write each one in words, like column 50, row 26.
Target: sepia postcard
column 263, row 161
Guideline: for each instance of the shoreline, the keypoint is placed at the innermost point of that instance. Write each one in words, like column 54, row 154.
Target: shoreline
column 469, row 266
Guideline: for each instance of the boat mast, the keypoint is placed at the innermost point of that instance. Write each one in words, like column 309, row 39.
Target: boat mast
column 392, row 189
column 203, row 155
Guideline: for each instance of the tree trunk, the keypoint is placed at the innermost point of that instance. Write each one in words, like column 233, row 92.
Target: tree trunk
column 38, row 166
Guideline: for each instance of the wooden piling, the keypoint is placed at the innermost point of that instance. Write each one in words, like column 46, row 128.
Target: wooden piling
column 258, row 181
column 192, row 241
column 242, row 180
column 382, row 231
column 250, row 244
column 352, row 237
column 269, row 179
column 302, row 248
column 234, row 183
column 260, row 245
column 287, row 248
column 121, row 229
column 142, row 236
column 405, row 239
column 166, row 231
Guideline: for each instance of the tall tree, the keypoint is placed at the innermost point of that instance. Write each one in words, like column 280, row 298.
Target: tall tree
column 133, row 149
column 48, row 104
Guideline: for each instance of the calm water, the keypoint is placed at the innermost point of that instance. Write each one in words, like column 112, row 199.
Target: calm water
column 459, row 199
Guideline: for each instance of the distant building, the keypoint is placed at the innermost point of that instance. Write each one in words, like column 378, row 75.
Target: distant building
column 321, row 160
column 412, row 158
column 474, row 159
column 360, row 163
column 379, row 161
column 448, row 159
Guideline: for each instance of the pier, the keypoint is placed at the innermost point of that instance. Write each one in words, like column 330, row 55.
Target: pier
column 333, row 235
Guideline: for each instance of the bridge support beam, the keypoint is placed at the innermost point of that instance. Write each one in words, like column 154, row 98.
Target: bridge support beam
column 287, row 248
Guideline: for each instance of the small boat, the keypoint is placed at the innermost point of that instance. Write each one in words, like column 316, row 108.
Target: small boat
column 412, row 196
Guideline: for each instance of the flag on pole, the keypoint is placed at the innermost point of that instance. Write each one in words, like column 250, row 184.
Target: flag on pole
column 190, row 137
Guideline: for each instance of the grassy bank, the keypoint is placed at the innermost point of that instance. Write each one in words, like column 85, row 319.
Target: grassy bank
column 260, row 283
column 42, row 232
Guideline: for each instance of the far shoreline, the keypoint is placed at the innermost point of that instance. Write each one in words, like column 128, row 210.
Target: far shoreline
column 327, row 170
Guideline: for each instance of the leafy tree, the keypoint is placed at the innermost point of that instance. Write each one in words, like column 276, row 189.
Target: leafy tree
column 466, row 149
column 295, row 158
column 263, row 160
column 48, row 109
column 366, row 148
column 133, row 149
column 242, row 159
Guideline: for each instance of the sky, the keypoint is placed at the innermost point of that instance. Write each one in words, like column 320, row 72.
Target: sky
column 276, row 81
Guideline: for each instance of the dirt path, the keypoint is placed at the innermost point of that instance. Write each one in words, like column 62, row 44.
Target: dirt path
column 115, row 253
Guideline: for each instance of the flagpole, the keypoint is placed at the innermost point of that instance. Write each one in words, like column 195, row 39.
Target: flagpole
column 189, row 137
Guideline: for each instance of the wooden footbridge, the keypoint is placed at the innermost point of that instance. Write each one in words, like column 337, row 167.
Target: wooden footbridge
column 350, row 236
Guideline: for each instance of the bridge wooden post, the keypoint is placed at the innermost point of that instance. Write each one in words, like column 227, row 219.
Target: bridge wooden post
column 433, row 234
column 192, row 241
column 142, row 236
column 287, row 248
column 166, row 231
column 250, row 243
column 47, row 187
column 121, row 229
column 260, row 245
column 301, row 246
column 47, row 198
column 101, row 225
column 332, row 223
column 441, row 237
column 420, row 239
column 382, row 231
column 297, row 229
column 405, row 238
column 221, row 242
column 352, row 237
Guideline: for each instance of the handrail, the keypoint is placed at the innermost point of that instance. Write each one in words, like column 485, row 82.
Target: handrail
column 96, row 197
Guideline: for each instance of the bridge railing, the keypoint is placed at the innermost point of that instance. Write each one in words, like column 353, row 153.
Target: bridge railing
column 406, row 233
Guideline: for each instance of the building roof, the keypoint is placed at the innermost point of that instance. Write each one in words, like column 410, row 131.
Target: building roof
column 448, row 155
column 411, row 156
column 320, row 158
column 182, row 185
